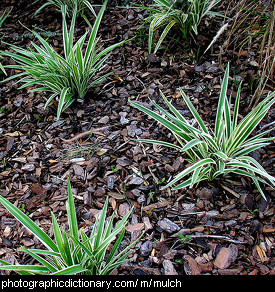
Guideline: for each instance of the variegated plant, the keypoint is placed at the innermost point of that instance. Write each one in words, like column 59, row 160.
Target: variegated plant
column 65, row 78
column 78, row 5
column 185, row 15
column 73, row 252
column 220, row 151
column 3, row 17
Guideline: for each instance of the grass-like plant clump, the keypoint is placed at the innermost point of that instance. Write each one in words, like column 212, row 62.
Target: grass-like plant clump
column 73, row 252
column 220, row 151
column 3, row 17
column 66, row 78
column 181, row 14
column 72, row 5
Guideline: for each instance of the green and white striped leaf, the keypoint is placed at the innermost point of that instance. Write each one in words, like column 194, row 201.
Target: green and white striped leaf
column 29, row 224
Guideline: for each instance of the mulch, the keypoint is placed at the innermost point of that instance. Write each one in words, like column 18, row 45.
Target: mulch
column 225, row 226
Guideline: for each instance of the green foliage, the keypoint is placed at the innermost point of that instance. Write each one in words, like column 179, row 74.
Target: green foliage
column 218, row 152
column 73, row 252
column 72, row 5
column 2, row 19
column 186, row 15
column 67, row 77
column 4, row 16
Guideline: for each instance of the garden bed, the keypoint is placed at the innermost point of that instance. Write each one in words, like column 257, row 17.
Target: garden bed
column 226, row 226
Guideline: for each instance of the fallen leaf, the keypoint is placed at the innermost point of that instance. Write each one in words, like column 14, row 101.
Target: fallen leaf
column 101, row 152
column 261, row 253
column 178, row 95
column 14, row 134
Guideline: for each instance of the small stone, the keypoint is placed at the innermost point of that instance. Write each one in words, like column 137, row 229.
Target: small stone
column 168, row 225
column 163, row 63
column 146, row 248
column 152, row 58
column 141, row 199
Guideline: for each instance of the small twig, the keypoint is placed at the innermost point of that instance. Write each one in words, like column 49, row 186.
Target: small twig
column 85, row 134
column 230, row 191
column 212, row 213
column 222, row 237
column 120, row 146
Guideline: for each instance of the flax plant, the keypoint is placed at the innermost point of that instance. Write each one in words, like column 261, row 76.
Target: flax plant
column 2, row 19
column 73, row 252
column 66, row 78
column 72, row 5
column 220, row 151
column 185, row 15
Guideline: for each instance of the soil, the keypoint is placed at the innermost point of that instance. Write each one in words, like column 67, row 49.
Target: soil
column 226, row 227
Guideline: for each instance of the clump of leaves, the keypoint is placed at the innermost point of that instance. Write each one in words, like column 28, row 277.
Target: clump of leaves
column 3, row 17
column 73, row 252
column 67, row 78
column 78, row 5
column 220, row 151
column 185, row 15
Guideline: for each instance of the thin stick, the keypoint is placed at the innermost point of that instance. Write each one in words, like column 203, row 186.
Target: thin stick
column 85, row 134
column 222, row 237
